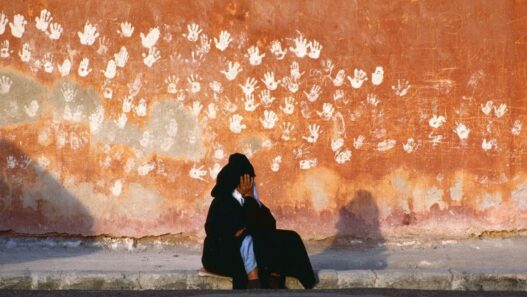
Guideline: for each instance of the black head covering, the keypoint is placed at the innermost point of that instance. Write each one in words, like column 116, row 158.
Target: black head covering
column 229, row 176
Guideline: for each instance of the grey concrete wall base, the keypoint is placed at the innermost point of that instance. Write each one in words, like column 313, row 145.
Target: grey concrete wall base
column 328, row 279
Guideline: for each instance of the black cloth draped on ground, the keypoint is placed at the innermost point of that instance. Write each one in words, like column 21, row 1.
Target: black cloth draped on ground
column 279, row 251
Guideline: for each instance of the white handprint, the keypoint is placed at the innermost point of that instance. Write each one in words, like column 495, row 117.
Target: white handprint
column 43, row 21
column 197, row 173
column 181, row 96
column 377, row 76
column 313, row 94
column 372, row 99
column 338, row 81
column 141, row 109
column 287, row 128
column 269, row 119
column 358, row 142
column 111, row 69
column 55, row 30
column 196, row 108
column 386, row 145
column 65, row 67
column 121, row 57
column 5, row 84
column 436, row 121
column 343, row 156
column 277, row 51
column 121, row 121
column 235, row 123
column 214, row 170
column 128, row 104
column 3, row 22
column 204, row 47
column 487, row 145
column 500, row 111
column 304, row 110
column 516, row 128
column 254, row 56
column 275, row 163
column 308, row 163
column 289, row 105
column 153, row 56
column 223, row 42
column 269, row 81
column 249, row 86
column 32, row 109
column 216, row 87
column 171, row 82
column 126, row 30
column 290, row 84
column 104, row 45
column 337, row 143
column 327, row 111
column 212, row 110
column 410, row 145
column 402, row 87
column 84, row 67
column 487, row 108
column 462, row 131
column 314, row 49
column 5, row 52
column 314, row 132
column 249, row 103
column 18, row 26
column 327, row 67
column 295, row 71
column 359, row 76
column 193, row 32
column 150, row 39
column 48, row 63
column 232, row 70
column 25, row 53
column 301, row 46
column 265, row 98
column 194, row 81
column 88, row 36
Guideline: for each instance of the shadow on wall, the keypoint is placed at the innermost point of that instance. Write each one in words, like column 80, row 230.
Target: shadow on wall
column 33, row 201
column 358, row 243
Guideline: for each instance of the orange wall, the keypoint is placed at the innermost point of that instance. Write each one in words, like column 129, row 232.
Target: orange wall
column 389, row 118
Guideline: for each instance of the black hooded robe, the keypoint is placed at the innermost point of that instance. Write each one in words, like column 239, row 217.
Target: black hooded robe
column 280, row 251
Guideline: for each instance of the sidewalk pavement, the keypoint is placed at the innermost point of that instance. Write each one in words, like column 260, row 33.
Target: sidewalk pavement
column 472, row 264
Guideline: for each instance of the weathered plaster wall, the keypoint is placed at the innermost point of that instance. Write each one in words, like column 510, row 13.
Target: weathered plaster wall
column 378, row 118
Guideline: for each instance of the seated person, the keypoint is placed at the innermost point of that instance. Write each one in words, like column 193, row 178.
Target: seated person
column 241, row 236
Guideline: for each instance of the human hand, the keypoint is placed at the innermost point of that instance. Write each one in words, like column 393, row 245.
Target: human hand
column 245, row 187
column 239, row 232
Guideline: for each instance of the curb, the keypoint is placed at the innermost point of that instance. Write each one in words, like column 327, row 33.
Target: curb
column 329, row 279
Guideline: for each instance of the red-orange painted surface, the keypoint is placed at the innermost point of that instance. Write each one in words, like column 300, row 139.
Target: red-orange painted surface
column 399, row 118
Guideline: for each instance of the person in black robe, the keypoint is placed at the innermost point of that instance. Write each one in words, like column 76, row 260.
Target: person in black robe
column 278, row 253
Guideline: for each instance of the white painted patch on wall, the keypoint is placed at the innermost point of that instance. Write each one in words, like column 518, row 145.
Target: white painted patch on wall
column 275, row 163
column 490, row 200
column 197, row 172
column 436, row 121
column 433, row 196
column 386, row 145
column 520, row 196
column 377, row 76
column 516, row 128
column 151, row 38
column 410, row 146
column 456, row 191
column 117, row 187
column 146, row 168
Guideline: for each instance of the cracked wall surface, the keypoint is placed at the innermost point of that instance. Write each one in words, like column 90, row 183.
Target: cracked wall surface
column 362, row 118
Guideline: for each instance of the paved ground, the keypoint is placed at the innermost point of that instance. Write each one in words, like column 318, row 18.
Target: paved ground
column 490, row 264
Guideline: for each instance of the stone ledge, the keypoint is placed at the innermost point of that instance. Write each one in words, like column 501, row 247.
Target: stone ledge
column 329, row 279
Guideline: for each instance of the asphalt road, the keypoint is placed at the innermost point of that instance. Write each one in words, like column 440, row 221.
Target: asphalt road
column 260, row 293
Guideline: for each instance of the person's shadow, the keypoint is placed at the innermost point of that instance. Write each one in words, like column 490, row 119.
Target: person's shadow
column 358, row 243
column 36, row 211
